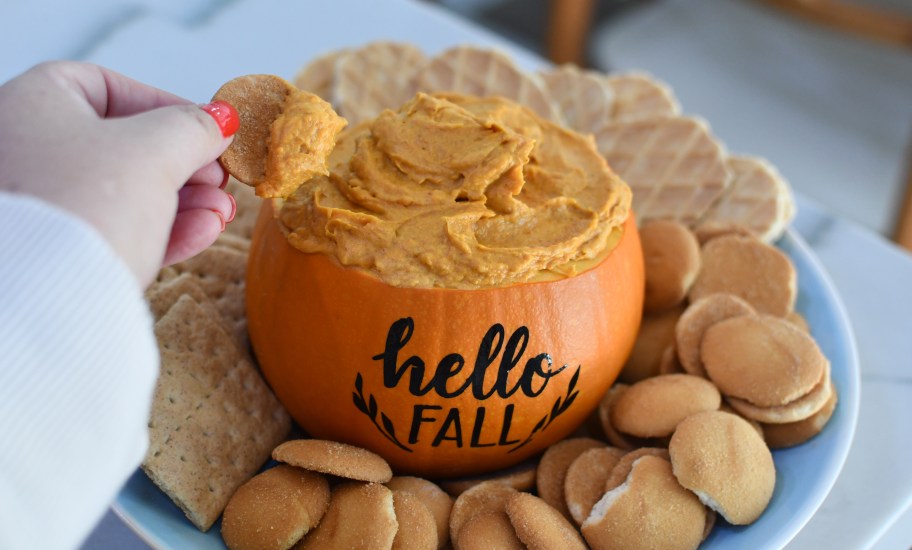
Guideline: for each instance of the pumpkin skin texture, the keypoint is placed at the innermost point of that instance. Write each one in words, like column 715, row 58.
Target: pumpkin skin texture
column 343, row 352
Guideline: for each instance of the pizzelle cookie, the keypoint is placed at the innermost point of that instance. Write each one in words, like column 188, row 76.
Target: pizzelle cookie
column 374, row 77
column 584, row 99
column 747, row 267
column 285, row 136
column 274, row 509
column 553, row 466
column 639, row 95
column 758, row 199
column 762, row 359
column 540, row 526
column 648, row 510
column 654, row 406
column 482, row 72
column 332, row 457
column 437, row 501
column 672, row 256
column 723, row 460
column 674, row 166
column 586, row 478
column 360, row 515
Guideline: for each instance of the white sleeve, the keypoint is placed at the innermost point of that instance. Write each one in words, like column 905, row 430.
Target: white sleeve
column 78, row 363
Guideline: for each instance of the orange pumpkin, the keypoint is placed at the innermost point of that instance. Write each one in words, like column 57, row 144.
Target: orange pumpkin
column 440, row 382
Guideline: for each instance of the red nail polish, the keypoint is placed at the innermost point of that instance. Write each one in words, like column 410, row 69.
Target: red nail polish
column 221, row 218
column 224, row 183
column 233, row 208
column 224, row 115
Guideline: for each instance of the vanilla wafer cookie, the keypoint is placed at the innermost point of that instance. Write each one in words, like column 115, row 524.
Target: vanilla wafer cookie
column 377, row 76
column 639, row 95
column 318, row 76
column 584, row 99
column 674, row 166
column 482, row 72
column 758, row 198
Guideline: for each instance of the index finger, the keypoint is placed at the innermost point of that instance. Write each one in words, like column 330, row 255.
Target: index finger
column 111, row 94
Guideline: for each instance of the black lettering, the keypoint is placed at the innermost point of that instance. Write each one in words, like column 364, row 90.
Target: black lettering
column 510, row 359
column 476, row 430
column 505, row 427
column 397, row 337
column 534, row 369
column 418, row 417
column 485, row 358
column 452, row 419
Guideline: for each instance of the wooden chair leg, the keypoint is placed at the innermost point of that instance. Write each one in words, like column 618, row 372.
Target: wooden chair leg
column 903, row 232
column 568, row 30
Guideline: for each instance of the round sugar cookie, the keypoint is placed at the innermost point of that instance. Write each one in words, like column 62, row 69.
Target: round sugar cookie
column 623, row 466
column 360, row 515
column 615, row 437
column 723, row 460
column 696, row 319
column 274, row 509
column 761, row 359
column 485, row 498
column 487, row 531
column 780, row 436
column 417, row 528
column 747, row 267
column 669, row 363
column 521, row 477
column 586, row 478
column 653, row 407
column 332, row 457
column 436, row 499
column 539, row 525
column 793, row 411
column 657, row 332
column 672, row 257
column 649, row 510
column 553, row 466
column 799, row 321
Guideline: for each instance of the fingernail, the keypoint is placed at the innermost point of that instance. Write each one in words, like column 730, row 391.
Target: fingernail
column 221, row 218
column 233, row 208
column 224, row 183
column 224, row 115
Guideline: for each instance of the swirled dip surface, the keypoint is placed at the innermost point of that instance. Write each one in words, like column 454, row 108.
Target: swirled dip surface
column 460, row 192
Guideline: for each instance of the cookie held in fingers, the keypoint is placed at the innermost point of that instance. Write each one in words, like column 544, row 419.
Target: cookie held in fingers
column 274, row 509
column 723, row 460
column 285, row 135
column 331, row 457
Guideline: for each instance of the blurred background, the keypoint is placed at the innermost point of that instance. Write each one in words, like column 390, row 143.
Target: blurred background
column 822, row 88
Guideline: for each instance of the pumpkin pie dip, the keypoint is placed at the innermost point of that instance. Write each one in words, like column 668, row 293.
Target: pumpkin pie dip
column 460, row 192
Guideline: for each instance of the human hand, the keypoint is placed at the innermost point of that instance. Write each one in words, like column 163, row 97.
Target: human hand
column 135, row 162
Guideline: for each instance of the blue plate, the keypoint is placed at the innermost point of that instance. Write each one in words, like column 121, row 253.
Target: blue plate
column 805, row 474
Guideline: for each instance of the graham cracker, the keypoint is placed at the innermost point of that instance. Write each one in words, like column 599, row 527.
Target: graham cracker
column 221, row 273
column 214, row 421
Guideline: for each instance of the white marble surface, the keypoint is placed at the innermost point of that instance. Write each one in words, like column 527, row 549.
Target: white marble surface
column 184, row 47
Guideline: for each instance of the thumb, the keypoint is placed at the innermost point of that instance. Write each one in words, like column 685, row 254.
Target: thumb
column 177, row 140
